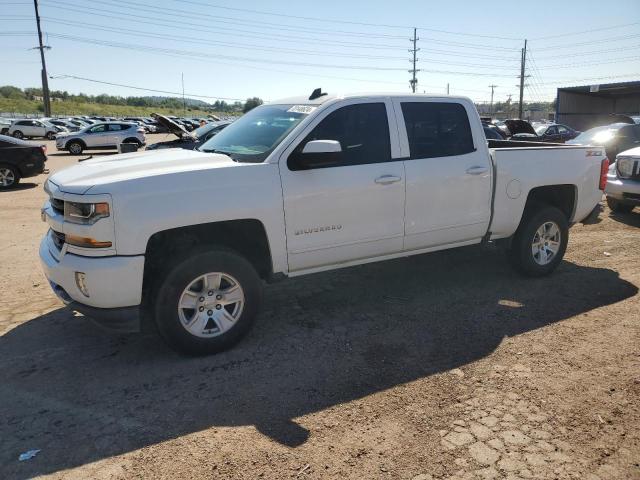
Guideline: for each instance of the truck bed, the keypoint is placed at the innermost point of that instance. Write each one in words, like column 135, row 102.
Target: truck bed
column 522, row 166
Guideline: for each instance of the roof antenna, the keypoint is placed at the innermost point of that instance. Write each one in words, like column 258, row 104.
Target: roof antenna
column 317, row 93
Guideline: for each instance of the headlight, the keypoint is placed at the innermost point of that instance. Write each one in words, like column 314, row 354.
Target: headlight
column 85, row 213
column 626, row 166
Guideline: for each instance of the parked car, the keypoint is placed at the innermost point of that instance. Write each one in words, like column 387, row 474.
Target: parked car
column 190, row 140
column 623, row 182
column 70, row 127
column 615, row 138
column 184, row 238
column 105, row 135
column 19, row 159
column 492, row 132
column 5, row 124
column 554, row 133
column 148, row 128
column 33, row 128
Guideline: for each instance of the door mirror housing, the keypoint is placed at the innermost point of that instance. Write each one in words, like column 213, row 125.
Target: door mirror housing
column 322, row 146
column 316, row 154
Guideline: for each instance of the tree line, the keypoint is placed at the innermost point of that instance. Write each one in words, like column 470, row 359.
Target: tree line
column 11, row 92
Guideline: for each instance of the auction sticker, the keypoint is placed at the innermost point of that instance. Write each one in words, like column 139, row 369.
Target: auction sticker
column 306, row 109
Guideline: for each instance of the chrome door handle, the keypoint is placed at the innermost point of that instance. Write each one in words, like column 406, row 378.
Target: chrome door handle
column 387, row 179
column 477, row 170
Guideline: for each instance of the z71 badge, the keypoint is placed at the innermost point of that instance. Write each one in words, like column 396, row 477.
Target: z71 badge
column 306, row 231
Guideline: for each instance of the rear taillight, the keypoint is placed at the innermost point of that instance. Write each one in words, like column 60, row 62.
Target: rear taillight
column 604, row 169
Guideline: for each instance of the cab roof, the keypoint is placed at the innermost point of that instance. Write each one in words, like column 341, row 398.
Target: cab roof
column 306, row 100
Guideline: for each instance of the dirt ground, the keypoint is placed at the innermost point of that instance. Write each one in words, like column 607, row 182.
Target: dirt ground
column 443, row 366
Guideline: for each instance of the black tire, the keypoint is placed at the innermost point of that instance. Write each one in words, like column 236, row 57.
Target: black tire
column 9, row 176
column 133, row 140
column 520, row 252
column 75, row 147
column 51, row 135
column 178, row 276
column 619, row 207
column 18, row 134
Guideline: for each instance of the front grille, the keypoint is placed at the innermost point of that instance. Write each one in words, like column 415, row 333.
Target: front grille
column 58, row 239
column 57, row 205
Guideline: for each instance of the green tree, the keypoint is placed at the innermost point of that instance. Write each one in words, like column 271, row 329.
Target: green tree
column 251, row 103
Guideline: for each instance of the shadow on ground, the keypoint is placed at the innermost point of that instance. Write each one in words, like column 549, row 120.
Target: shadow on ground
column 632, row 218
column 81, row 395
column 20, row 186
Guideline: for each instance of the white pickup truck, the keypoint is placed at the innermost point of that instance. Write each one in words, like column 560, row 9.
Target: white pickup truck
column 183, row 239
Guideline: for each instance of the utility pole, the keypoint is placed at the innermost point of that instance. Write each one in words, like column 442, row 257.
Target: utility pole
column 447, row 89
column 414, row 81
column 523, row 66
column 184, row 102
column 45, row 81
column 492, row 87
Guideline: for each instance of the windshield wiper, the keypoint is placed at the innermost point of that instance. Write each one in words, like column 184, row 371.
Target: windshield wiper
column 213, row 150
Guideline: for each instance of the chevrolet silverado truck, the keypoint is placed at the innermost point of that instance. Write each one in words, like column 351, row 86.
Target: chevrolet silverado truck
column 184, row 239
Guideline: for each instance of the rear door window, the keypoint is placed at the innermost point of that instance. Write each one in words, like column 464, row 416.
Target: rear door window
column 437, row 129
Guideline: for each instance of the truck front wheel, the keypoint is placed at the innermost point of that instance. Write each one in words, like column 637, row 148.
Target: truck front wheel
column 539, row 244
column 207, row 301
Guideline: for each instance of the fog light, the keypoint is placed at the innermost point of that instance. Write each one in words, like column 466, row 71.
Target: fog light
column 81, row 283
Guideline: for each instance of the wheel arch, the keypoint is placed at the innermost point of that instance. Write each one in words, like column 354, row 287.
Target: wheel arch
column 563, row 196
column 248, row 237
column 79, row 140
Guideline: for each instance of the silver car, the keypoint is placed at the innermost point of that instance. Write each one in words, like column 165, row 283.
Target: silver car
column 102, row 135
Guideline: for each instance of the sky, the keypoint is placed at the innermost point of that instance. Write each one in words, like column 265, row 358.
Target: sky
column 238, row 49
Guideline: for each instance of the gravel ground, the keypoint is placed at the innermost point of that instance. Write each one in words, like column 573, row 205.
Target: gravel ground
column 440, row 366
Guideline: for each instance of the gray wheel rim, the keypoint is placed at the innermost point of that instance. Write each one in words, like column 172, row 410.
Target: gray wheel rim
column 211, row 305
column 75, row 148
column 7, row 177
column 546, row 243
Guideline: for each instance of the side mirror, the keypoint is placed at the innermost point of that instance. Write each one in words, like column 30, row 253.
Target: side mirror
column 316, row 154
column 322, row 146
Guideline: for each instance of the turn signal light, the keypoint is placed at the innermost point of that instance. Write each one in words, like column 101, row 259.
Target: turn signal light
column 604, row 168
column 86, row 242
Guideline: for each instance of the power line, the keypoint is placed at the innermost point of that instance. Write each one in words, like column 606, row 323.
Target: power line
column 261, row 12
column 247, row 33
column 602, row 40
column 592, row 52
column 142, row 7
column 191, row 40
column 144, row 48
column 573, row 65
column 191, row 95
column 587, row 31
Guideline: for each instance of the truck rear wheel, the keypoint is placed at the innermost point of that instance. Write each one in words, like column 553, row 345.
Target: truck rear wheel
column 207, row 301
column 540, row 242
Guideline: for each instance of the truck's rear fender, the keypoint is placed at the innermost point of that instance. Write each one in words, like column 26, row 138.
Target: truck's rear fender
column 564, row 197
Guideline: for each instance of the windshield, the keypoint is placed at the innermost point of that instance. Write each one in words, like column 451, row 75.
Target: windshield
column 597, row 136
column 256, row 134
column 540, row 129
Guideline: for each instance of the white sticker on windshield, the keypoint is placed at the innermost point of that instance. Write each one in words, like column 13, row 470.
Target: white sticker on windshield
column 307, row 109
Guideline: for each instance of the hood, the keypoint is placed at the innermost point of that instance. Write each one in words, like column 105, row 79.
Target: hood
column 519, row 126
column 80, row 178
column 173, row 127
